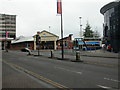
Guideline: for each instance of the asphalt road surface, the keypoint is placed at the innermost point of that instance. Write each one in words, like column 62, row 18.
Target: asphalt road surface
column 40, row 72
column 86, row 56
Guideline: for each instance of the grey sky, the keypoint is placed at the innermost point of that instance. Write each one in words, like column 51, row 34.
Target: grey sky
column 38, row 15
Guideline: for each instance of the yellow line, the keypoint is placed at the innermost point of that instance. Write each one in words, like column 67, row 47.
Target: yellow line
column 40, row 77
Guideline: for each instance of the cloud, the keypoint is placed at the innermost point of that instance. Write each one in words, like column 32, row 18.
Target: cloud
column 34, row 15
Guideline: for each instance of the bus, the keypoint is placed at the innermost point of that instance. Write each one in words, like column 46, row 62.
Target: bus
column 87, row 43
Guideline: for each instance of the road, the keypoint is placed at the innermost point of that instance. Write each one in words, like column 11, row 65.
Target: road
column 0, row 69
column 87, row 57
column 56, row 73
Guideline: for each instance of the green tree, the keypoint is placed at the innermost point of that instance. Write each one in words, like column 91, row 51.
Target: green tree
column 96, row 34
column 88, row 32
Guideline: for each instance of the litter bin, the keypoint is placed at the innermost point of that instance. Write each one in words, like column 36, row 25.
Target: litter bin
column 77, row 55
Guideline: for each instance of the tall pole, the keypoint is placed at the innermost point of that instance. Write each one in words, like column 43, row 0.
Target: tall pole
column 80, row 27
column 62, row 32
column 59, row 11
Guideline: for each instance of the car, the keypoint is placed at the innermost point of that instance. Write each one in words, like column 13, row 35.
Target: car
column 25, row 49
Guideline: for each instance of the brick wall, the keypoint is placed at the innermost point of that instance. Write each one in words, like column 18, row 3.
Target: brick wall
column 18, row 46
column 68, row 41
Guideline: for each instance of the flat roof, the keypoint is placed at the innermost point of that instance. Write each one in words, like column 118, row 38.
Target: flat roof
column 24, row 39
column 8, row 14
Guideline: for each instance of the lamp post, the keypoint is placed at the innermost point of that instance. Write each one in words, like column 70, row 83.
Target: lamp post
column 59, row 11
column 62, row 33
column 80, row 27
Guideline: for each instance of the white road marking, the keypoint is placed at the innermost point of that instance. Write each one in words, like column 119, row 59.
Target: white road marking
column 36, row 57
column 111, row 79
column 103, row 86
column 68, row 70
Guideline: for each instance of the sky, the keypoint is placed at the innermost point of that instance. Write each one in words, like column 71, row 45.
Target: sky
column 39, row 15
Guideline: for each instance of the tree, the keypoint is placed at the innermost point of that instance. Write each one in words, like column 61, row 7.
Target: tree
column 96, row 34
column 88, row 32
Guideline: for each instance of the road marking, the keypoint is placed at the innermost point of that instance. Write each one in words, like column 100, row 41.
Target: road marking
column 36, row 57
column 46, row 85
column 68, row 70
column 111, row 79
column 103, row 86
column 38, row 76
column 101, row 64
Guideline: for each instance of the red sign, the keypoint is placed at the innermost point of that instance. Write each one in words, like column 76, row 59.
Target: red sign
column 59, row 7
column 6, row 34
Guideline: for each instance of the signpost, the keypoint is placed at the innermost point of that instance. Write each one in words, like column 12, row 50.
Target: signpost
column 59, row 11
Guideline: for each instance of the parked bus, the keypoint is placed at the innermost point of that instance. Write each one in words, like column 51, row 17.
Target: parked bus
column 87, row 43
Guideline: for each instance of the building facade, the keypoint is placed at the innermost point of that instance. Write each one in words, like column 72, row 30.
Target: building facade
column 7, row 29
column 67, row 42
column 47, row 40
column 111, row 31
column 22, row 42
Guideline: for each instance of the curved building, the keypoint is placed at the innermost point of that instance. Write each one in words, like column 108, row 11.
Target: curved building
column 111, row 25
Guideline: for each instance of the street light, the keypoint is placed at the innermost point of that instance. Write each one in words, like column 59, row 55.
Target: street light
column 80, row 27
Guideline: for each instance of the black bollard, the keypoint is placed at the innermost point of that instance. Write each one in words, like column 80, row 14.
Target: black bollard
column 52, row 54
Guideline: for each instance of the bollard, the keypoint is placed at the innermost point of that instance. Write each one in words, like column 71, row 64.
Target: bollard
column 6, row 50
column 78, row 59
column 77, row 55
column 29, row 52
column 95, row 49
column 52, row 54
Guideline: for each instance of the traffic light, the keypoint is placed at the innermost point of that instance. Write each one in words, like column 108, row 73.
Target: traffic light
column 38, row 39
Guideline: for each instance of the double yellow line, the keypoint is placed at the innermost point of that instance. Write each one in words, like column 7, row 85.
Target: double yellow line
column 38, row 76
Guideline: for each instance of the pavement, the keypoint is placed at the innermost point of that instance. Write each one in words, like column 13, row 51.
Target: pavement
column 94, row 57
column 100, row 53
column 92, row 53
